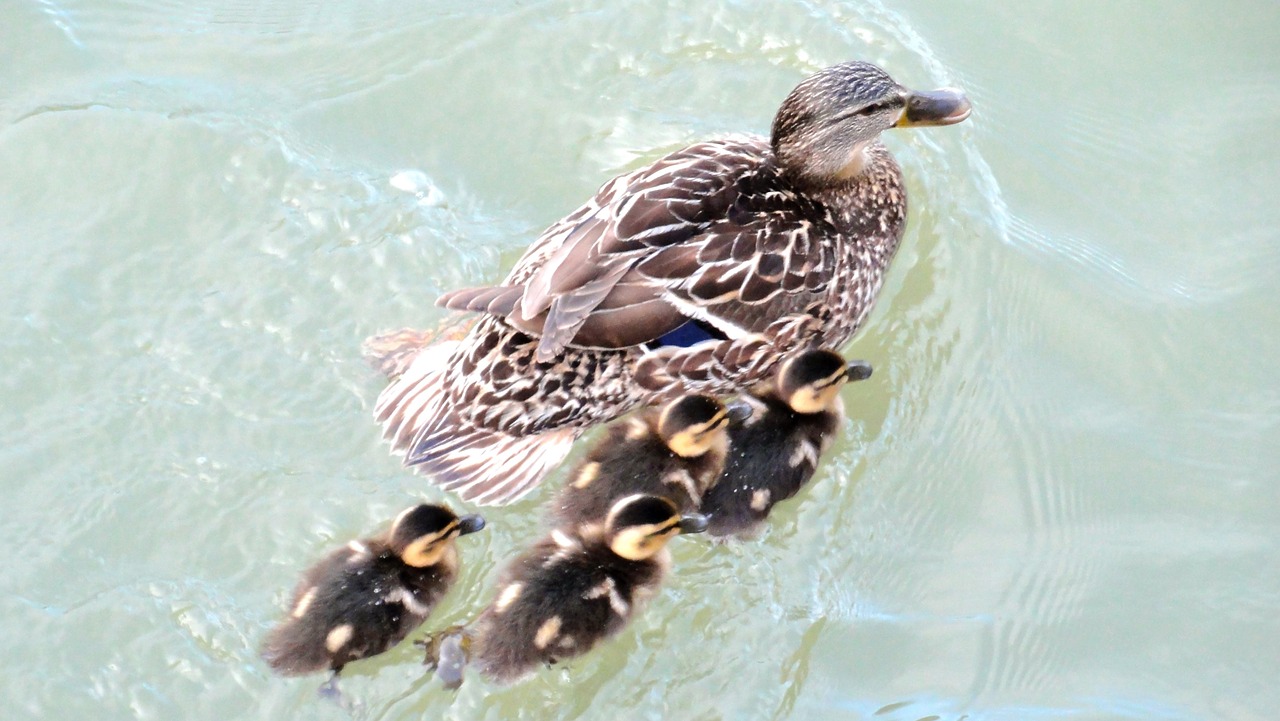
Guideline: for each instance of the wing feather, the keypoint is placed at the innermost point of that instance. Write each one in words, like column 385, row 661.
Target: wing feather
column 660, row 246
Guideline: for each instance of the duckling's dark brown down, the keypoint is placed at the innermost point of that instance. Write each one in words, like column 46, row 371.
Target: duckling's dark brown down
column 592, row 591
column 363, row 586
column 632, row 458
column 771, row 457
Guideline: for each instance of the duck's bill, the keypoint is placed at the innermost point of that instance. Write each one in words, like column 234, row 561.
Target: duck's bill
column 934, row 107
column 739, row 412
column 858, row 370
column 692, row 523
column 470, row 524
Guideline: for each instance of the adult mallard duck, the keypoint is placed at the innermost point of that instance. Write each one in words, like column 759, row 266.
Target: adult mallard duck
column 692, row 274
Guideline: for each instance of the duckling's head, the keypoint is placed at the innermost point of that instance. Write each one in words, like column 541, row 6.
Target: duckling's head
column 691, row 425
column 810, row 382
column 639, row 526
column 421, row 535
column 825, row 124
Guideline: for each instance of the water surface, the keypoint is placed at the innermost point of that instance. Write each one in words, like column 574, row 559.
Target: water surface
column 1056, row 498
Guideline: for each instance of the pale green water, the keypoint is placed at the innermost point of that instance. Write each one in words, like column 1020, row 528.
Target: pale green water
column 1057, row 497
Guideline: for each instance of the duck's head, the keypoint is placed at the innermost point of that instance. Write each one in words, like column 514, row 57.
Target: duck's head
column 810, row 382
column 420, row 535
column 691, row 425
column 825, row 124
column 639, row 526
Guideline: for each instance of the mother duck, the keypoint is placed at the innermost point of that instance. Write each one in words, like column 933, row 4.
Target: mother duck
column 694, row 274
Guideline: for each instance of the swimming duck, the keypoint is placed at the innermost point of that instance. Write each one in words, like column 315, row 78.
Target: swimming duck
column 365, row 597
column 577, row 587
column 676, row 452
column 692, row 274
column 775, row 452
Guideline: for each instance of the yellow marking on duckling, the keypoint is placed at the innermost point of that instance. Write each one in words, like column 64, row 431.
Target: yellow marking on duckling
column 567, row 546
column 428, row 551
column 405, row 597
column 608, row 587
column 588, row 474
column 699, row 438
column 338, row 637
column 805, row 451
column 358, row 551
column 818, row 396
column 637, row 429
column 681, row 477
column 300, row 608
column 547, row 632
column 507, row 597
column 760, row 500
column 563, row 539
column 637, row 543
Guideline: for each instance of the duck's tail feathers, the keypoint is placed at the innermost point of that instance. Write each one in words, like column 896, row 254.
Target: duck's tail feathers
column 482, row 466
column 416, row 398
column 485, row 467
column 391, row 354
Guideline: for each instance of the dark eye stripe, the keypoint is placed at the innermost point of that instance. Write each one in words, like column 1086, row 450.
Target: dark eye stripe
column 868, row 109
column 663, row 529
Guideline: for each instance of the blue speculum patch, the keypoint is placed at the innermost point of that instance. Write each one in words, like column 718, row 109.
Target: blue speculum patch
column 691, row 333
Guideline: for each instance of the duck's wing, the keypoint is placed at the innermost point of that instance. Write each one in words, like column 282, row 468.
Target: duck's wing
column 585, row 263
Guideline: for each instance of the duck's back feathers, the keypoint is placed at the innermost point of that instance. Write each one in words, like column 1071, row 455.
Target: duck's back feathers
column 495, row 300
column 665, row 205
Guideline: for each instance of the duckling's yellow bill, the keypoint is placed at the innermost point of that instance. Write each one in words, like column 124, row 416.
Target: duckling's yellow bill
column 946, row 106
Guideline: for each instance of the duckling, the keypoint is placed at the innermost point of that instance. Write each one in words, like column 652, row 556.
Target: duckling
column 578, row 587
column 775, row 452
column 365, row 597
column 676, row 452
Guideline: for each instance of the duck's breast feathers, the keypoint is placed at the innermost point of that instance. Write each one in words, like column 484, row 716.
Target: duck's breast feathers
column 708, row 233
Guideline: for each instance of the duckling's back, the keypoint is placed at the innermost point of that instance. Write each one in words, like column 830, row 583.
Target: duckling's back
column 556, row 601
column 771, row 457
column 357, row 602
column 632, row 459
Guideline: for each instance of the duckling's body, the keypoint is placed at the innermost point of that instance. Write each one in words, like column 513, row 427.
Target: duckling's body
column 776, row 451
column 692, row 274
column 577, row 587
column 676, row 452
column 365, row 597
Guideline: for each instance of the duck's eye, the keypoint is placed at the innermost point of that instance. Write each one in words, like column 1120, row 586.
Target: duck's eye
column 873, row 108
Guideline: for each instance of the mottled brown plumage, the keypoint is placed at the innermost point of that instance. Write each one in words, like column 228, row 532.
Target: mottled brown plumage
column 749, row 246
